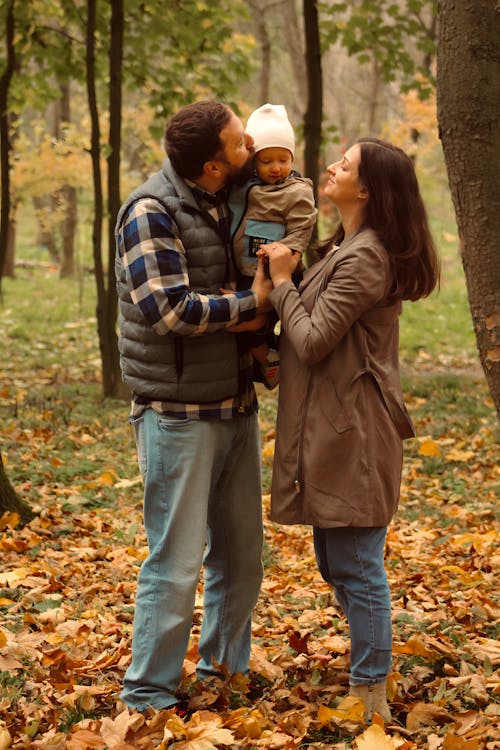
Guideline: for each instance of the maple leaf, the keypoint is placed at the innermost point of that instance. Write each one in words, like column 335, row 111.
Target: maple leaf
column 299, row 642
column 113, row 731
column 374, row 738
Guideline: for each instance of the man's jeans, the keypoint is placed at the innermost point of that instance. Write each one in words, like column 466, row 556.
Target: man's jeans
column 351, row 559
column 202, row 501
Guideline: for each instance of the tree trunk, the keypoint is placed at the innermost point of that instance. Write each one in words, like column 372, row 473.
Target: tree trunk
column 112, row 381
column 10, row 502
column 9, row 270
column 108, row 344
column 314, row 112
column 262, row 35
column 68, row 231
column 5, row 145
column 294, row 36
column 468, row 82
column 44, row 206
column 69, row 196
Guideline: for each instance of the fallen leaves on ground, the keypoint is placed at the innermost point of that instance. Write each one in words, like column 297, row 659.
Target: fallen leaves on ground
column 68, row 584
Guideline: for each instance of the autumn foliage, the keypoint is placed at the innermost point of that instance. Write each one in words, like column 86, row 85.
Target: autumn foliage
column 68, row 577
column 67, row 592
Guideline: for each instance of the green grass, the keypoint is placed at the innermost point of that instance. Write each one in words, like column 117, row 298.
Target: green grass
column 58, row 431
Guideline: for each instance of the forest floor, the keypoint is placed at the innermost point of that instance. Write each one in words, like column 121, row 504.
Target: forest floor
column 68, row 578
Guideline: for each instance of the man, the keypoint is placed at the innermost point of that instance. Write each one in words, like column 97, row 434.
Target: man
column 194, row 408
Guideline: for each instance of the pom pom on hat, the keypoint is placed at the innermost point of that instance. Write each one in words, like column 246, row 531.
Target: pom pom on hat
column 269, row 126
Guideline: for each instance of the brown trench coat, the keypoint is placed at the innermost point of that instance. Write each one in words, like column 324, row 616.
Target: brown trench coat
column 341, row 417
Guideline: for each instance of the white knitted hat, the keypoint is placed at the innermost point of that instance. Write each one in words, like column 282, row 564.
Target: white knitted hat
column 269, row 126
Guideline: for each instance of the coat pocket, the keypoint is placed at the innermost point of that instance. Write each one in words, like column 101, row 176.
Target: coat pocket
column 336, row 412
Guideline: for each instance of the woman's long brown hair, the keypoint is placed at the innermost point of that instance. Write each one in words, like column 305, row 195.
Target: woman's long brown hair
column 396, row 212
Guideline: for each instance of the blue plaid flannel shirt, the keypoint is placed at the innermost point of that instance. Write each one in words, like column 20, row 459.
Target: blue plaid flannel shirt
column 154, row 261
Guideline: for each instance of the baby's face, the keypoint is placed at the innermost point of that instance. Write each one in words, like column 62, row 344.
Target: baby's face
column 273, row 164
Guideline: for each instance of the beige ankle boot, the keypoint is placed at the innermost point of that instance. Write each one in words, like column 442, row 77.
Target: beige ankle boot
column 374, row 698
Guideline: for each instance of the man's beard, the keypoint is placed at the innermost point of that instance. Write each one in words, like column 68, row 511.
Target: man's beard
column 240, row 175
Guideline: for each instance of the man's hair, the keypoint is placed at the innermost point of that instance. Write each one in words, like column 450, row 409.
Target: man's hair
column 192, row 136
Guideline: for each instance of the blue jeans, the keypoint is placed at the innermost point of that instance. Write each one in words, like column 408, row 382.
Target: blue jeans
column 202, row 503
column 351, row 559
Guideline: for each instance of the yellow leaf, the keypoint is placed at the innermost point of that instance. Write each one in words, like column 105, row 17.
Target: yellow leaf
column 10, row 577
column 107, row 477
column 460, row 456
column 454, row 742
column 374, row 738
column 5, row 739
column 350, row 708
column 429, row 448
column 9, row 519
column 268, row 449
column 245, row 724
column 325, row 714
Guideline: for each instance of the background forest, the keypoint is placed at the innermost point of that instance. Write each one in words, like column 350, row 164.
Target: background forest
column 85, row 88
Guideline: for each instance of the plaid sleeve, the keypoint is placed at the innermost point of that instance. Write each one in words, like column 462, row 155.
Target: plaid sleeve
column 154, row 261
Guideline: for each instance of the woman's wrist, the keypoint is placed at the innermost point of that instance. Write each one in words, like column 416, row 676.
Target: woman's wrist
column 281, row 279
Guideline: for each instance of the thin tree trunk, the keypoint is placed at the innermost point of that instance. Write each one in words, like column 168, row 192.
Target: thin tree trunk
column 9, row 270
column 95, row 154
column 112, row 377
column 314, row 112
column 468, row 83
column 5, row 145
column 262, row 35
column 294, row 36
column 68, row 231
column 69, row 197
column 109, row 359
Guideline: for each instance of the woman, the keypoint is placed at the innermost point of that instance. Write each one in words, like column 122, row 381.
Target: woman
column 341, row 417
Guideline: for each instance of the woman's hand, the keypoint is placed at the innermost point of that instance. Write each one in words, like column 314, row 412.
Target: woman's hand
column 262, row 287
column 282, row 261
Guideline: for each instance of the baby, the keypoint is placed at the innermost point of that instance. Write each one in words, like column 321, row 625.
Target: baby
column 276, row 204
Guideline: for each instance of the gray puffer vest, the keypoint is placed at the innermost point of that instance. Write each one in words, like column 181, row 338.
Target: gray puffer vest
column 197, row 369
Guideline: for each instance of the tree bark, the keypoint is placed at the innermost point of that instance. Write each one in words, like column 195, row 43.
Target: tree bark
column 111, row 371
column 69, row 196
column 5, row 145
column 468, row 82
column 314, row 112
column 262, row 35
column 10, row 502
column 108, row 343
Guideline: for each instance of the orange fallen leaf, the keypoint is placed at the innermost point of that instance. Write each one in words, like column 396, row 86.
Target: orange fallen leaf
column 453, row 742
column 426, row 714
column 374, row 738
column 429, row 448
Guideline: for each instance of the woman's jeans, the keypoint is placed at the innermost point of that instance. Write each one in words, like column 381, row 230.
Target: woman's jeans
column 202, row 502
column 351, row 559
